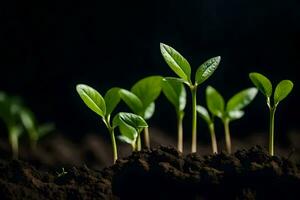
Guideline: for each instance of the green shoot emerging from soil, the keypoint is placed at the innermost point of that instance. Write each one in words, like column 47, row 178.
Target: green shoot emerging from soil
column 233, row 109
column 211, row 126
column 282, row 90
column 140, row 99
column 176, row 94
column 130, row 126
column 183, row 69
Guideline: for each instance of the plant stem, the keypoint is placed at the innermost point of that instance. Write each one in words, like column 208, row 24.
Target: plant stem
column 213, row 138
column 113, row 141
column 14, row 142
column 180, row 133
column 147, row 137
column 138, row 142
column 271, row 134
column 194, row 118
column 227, row 135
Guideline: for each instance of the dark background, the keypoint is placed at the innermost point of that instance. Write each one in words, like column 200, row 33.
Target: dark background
column 49, row 47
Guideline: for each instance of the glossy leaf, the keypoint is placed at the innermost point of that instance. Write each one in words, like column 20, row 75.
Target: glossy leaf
column 92, row 99
column 282, row 90
column 147, row 89
column 128, row 133
column 235, row 114
column 149, row 111
column 241, row 99
column 176, row 62
column 29, row 122
column 133, row 102
column 262, row 83
column 215, row 102
column 207, row 69
column 175, row 93
column 112, row 98
column 204, row 114
column 130, row 119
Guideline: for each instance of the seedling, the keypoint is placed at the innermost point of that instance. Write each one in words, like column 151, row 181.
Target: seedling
column 282, row 90
column 104, row 108
column 62, row 173
column 130, row 126
column 183, row 69
column 34, row 130
column 211, row 126
column 10, row 108
column 176, row 94
column 140, row 99
column 233, row 109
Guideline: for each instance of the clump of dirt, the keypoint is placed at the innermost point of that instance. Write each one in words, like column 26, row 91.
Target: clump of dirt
column 161, row 173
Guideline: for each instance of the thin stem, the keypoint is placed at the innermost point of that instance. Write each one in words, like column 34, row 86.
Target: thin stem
column 227, row 135
column 213, row 138
column 113, row 141
column 138, row 143
column 147, row 137
column 271, row 134
column 194, row 118
column 180, row 133
column 14, row 141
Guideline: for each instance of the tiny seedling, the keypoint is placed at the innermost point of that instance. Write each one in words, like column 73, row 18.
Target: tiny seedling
column 183, row 69
column 211, row 126
column 233, row 109
column 62, row 173
column 176, row 94
column 140, row 99
column 130, row 126
column 102, row 106
column 282, row 90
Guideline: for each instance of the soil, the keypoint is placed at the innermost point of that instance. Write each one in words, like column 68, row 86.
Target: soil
column 160, row 173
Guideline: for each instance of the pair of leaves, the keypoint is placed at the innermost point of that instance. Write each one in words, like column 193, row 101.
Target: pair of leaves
column 233, row 109
column 93, row 99
column 175, row 93
column 142, row 96
column 130, row 126
column 183, row 69
column 264, row 85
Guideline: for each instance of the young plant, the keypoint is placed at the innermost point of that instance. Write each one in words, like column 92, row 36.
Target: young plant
column 282, row 90
column 35, row 131
column 233, row 109
column 10, row 108
column 103, row 107
column 183, row 69
column 140, row 99
column 176, row 94
column 211, row 126
column 130, row 126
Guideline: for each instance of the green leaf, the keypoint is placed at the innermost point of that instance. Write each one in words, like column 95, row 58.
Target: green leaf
column 92, row 99
column 130, row 119
column 263, row 84
column 175, row 93
column 282, row 90
column 241, row 99
column 215, row 102
column 235, row 114
column 176, row 62
column 45, row 129
column 112, row 98
column 204, row 114
column 147, row 89
column 128, row 133
column 207, row 69
column 132, row 101
column 149, row 111
column 180, row 80
column 29, row 123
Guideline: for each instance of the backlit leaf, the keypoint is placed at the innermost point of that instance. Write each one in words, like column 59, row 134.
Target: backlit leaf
column 207, row 69
column 282, row 90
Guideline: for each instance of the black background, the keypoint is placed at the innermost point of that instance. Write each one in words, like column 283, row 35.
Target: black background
column 49, row 47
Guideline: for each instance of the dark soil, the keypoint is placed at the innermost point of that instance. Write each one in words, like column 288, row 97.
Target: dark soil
column 161, row 173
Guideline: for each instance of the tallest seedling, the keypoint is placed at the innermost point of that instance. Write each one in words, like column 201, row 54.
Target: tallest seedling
column 183, row 69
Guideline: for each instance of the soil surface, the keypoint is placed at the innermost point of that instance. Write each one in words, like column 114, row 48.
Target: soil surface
column 161, row 173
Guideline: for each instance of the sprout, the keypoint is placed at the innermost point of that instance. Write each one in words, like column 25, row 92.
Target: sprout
column 140, row 99
column 176, row 94
column 282, row 90
column 182, row 68
column 233, row 109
